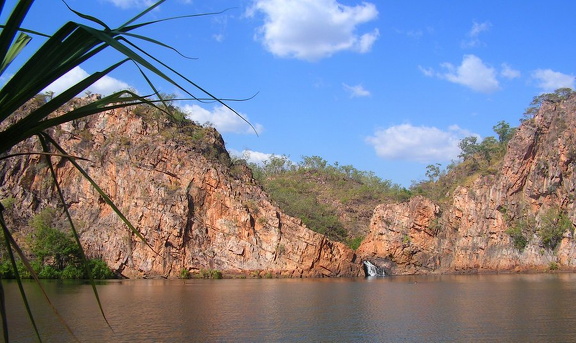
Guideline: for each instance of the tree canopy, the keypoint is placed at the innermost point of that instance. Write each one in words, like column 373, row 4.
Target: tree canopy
column 557, row 96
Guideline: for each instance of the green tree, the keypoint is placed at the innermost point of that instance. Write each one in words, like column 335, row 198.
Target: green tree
column 100, row 269
column 504, row 131
column 520, row 230
column 313, row 163
column 55, row 254
column 50, row 244
column 317, row 193
column 477, row 158
column 468, row 147
column 277, row 164
column 433, row 172
column 553, row 224
column 558, row 95
column 488, row 148
column 348, row 170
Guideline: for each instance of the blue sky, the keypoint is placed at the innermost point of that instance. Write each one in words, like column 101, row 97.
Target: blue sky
column 385, row 86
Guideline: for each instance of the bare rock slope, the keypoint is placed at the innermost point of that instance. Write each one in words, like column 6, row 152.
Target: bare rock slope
column 521, row 218
column 174, row 181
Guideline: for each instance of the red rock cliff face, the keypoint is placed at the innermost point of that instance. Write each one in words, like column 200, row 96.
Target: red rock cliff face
column 471, row 234
column 177, row 193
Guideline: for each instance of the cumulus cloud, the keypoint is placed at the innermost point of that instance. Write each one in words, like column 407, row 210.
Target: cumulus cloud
column 125, row 4
column 472, row 73
column 252, row 156
column 105, row 86
column 356, row 91
column 508, row 72
column 418, row 143
column 312, row 30
column 549, row 80
column 223, row 119
column 473, row 39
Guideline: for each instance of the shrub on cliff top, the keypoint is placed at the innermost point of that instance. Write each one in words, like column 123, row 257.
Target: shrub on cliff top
column 320, row 193
column 558, row 95
column 476, row 158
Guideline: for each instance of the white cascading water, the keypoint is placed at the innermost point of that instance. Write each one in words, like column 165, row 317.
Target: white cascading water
column 372, row 270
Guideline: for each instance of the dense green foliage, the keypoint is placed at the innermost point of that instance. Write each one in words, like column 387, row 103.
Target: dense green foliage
column 202, row 274
column 54, row 254
column 521, row 230
column 319, row 194
column 210, row 274
column 553, row 224
column 518, row 237
column 550, row 227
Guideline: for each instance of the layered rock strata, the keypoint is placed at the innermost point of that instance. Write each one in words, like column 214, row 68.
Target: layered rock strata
column 474, row 231
column 177, row 186
column 196, row 210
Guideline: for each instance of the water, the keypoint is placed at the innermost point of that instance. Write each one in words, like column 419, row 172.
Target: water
column 465, row 308
column 372, row 270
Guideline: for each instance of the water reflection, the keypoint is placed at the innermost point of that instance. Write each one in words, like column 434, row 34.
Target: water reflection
column 504, row 308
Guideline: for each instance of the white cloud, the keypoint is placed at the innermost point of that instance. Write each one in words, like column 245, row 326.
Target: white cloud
column 478, row 28
column 508, row 72
column 252, row 156
column 356, row 91
column 256, row 156
column 223, row 119
column 312, row 30
column 105, row 86
column 473, row 40
column 472, row 73
column 218, row 37
column 418, row 143
column 125, row 4
column 427, row 71
column 366, row 41
column 549, row 80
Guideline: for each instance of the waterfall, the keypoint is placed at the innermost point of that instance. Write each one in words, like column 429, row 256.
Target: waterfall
column 372, row 270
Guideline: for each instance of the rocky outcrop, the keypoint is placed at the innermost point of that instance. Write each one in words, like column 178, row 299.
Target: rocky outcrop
column 482, row 228
column 175, row 183
column 197, row 210
column 402, row 237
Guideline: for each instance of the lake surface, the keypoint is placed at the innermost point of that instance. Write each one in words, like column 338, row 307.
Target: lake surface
column 448, row 308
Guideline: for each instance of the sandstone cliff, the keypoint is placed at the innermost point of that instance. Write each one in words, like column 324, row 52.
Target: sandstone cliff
column 174, row 181
column 498, row 223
